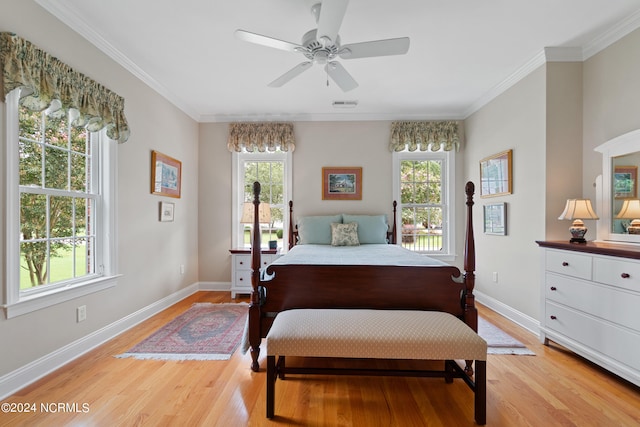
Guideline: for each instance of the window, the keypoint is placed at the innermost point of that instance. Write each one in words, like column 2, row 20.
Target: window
column 60, row 207
column 273, row 171
column 424, row 186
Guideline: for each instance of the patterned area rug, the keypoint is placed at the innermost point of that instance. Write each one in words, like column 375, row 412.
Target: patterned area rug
column 205, row 331
column 499, row 342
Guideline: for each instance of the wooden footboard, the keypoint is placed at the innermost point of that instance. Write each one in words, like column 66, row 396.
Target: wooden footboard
column 284, row 287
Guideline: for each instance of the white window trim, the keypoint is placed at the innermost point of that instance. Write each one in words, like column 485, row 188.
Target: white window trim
column 449, row 196
column 237, row 176
column 16, row 304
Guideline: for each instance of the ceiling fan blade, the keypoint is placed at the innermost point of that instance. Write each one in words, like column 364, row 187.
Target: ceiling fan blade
column 340, row 76
column 398, row 46
column 268, row 41
column 330, row 19
column 289, row 75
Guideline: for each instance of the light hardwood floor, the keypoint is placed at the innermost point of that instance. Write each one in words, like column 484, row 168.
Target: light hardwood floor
column 555, row 387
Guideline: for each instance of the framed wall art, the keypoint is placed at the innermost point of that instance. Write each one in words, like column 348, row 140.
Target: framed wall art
column 625, row 182
column 166, row 175
column 496, row 174
column 166, row 211
column 495, row 219
column 342, row 183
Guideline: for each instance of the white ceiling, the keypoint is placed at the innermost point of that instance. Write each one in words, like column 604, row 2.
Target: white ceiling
column 462, row 53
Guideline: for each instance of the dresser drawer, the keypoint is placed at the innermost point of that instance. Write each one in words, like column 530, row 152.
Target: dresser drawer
column 243, row 278
column 243, row 262
column 618, row 343
column 617, row 306
column 617, row 272
column 571, row 264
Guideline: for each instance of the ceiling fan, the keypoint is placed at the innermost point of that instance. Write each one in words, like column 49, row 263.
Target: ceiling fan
column 322, row 46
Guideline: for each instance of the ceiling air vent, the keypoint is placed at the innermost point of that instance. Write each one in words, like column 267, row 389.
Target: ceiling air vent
column 345, row 104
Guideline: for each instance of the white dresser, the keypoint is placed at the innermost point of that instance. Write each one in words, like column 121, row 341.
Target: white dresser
column 591, row 303
column 241, row 268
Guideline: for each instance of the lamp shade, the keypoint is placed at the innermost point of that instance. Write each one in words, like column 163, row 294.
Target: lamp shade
column 264, row 213
column 630, row 209
column 578, row 209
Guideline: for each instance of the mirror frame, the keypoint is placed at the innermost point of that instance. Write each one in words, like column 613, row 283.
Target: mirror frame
column 619, row 146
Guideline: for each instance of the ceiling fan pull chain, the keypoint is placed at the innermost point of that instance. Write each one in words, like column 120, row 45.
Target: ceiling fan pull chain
column 327, row 71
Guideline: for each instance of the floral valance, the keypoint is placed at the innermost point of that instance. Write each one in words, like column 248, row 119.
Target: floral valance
column 46, row 79
column 261, row 136
column 425, row 136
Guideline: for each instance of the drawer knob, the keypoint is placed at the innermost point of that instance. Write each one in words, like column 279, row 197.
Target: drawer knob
column 241, row 279
column 553, row 317
column 625, row 275
column 241, row 262
column 565, row 264
column 553, row 288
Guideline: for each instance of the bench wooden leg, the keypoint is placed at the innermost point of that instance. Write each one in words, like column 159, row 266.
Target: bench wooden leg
column 480, row 395
column 271, row 385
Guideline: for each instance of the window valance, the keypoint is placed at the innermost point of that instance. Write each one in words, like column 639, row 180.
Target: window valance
column 261, row 136
column 47, row 79
column 425, row 136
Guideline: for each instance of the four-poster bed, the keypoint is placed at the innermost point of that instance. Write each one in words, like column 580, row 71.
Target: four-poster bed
column 284, row 286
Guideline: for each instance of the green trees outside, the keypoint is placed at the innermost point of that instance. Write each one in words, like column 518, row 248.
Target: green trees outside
column 421, row 197
column 270, row 175
column 53, row 156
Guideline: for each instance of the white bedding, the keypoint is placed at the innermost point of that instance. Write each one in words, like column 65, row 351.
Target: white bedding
column 370, row 254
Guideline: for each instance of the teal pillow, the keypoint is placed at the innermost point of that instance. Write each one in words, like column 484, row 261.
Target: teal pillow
column 316, row 230
column 371, row 228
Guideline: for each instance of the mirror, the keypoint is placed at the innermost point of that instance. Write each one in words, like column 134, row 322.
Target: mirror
column 619, row 188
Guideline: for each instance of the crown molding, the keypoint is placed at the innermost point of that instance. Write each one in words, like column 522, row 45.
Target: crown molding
column 70, row 18
column 612, row 35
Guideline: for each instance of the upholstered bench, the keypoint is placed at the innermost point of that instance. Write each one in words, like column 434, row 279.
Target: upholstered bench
column 376, row 334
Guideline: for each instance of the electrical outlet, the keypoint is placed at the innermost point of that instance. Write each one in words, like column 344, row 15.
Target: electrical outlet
column 81, row 313
column 181, row 268
column 495, row 277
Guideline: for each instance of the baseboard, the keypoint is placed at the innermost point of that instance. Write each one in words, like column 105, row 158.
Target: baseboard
column 31, row 372
column 529, row 323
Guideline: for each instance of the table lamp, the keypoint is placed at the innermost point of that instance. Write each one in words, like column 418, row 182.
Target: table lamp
column 631, row 210
column 577, row 210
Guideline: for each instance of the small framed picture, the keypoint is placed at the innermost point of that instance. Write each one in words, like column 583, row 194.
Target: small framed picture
column 625, row 182
column 496, row 174
column 342, row 183
column 166, row 211
column 495, row 219
column 166, row 175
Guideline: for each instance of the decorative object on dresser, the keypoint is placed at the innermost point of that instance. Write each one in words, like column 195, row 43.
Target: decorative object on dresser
column 577, row 210
column 589, row 302
column 631, row 210
column 241, row 268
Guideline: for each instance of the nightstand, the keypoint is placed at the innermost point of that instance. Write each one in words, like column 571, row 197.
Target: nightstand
column 241, row 268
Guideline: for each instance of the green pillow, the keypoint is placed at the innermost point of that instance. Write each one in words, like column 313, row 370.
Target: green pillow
column 316, row 230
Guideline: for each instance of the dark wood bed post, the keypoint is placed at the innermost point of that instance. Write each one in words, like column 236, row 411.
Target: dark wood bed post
column 291, row 242
column 394, row 229
column 254, row 307
column 471, row 313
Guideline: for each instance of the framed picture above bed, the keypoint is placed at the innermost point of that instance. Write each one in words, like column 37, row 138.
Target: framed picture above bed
column 342, row 183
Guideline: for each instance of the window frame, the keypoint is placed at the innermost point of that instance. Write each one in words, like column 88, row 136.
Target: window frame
column 448, row 197
column 15, row 302
column 237, row 193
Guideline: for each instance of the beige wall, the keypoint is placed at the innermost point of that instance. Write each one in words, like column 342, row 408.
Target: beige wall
column 150, row 252
column 515, row 120
column 318, row 144
column 611, row 101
